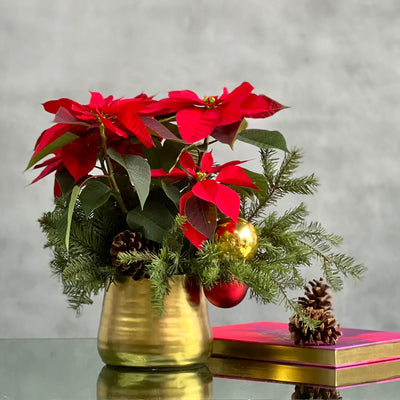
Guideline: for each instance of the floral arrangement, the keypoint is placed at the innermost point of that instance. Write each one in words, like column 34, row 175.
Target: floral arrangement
column 138, row 192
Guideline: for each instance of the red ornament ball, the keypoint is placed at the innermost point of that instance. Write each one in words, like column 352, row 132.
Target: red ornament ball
column 226, row 295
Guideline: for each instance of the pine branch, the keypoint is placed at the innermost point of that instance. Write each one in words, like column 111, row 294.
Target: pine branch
column 280, row 182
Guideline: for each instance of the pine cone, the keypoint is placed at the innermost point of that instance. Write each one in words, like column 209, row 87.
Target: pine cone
column 318, row 306
column 131, row 241
column 326, row 332
column 318, row 296
column 315, row 392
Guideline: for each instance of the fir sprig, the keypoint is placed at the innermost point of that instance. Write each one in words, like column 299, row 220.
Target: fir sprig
column 280, row 182
column 86, row 267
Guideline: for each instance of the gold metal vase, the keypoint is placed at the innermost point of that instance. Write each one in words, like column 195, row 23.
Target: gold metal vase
column 132, row 334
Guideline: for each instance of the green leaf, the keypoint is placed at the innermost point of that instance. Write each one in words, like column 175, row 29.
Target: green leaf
column 138, row 171
column 61, row 141
column 154, row 221
column 71, row 206
column 172, row 193
column 263, row 139
column 170, row 154
column 65, row 181
column 94, row 195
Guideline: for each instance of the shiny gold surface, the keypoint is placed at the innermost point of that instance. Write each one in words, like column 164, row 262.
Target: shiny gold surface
column 307, row 374
column 127, row 383
column 241, row 243
column 262, row 352
column 132, row 334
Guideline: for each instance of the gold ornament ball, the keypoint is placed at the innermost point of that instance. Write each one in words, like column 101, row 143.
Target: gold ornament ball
column 238, row 239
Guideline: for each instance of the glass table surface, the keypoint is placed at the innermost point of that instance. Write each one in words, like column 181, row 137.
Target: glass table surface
column 58, row 369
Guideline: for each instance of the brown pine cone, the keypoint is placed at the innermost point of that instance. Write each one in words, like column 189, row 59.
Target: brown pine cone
column 315, row 392
column 131, row 241
column 327, row 331
column 318, row 297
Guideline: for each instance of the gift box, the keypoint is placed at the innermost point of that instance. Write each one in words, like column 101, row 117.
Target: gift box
column 265, row 350
column 271, row 341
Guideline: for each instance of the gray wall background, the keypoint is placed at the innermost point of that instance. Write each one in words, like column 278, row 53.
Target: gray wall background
column 336, row 63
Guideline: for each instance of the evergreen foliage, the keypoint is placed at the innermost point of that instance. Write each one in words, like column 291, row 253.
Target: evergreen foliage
column 86, row 267
column 287, row 244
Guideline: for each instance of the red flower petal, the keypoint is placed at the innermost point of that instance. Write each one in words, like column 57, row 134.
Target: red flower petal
column 218, row 168
column 206, row 162
column 134, row 124
column 187, row 95
column 193, row 235
column 175, row 173
column 234, row 175
column 187, row 163
column 53, row 106
column 228, row 202
column 240, row 93
column 50, row 165
column 112, row 127
column 195, row 124
column 96, row 101
column 230, row 113
column 206, row 190
column 260, row 106
column 79, row 158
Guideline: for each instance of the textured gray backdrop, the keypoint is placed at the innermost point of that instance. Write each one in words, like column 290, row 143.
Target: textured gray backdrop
column 336, row 63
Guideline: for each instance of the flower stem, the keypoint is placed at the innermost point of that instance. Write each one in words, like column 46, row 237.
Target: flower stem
column 110, row 174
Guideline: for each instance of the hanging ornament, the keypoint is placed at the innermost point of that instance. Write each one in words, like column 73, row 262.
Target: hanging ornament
column 226, row 294
column 237, row 239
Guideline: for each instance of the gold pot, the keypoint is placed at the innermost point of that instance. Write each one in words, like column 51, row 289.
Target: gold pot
column 127, row 383
column 132, row 334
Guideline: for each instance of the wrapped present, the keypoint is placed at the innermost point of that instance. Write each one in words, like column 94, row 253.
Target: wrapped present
column 271, row 341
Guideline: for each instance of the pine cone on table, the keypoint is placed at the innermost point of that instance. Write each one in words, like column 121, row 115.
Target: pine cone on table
column 318, row 306
column 135, row 242
column 315, row 392
column 318, row 296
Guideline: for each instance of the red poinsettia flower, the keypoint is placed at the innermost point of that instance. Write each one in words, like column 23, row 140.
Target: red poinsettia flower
column 216, row 116
column 120, row 118
column 208, row 194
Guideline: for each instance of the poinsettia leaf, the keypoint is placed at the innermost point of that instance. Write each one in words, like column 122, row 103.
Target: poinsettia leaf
column 153, row 221
column 61, row 141
column 65, row 181
column 206, row 190
column 228, row 202
column 64, row 116
column 94, row 195
column 138, row 170
column 172, row 192
column 235, row 175
column 195, row 124
column 263, row 139
column 226, row 133
column 159, row 129
column 193, row 235
column 202, row 215
column 169, row 154
column 71, row 207
column 79, row 158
